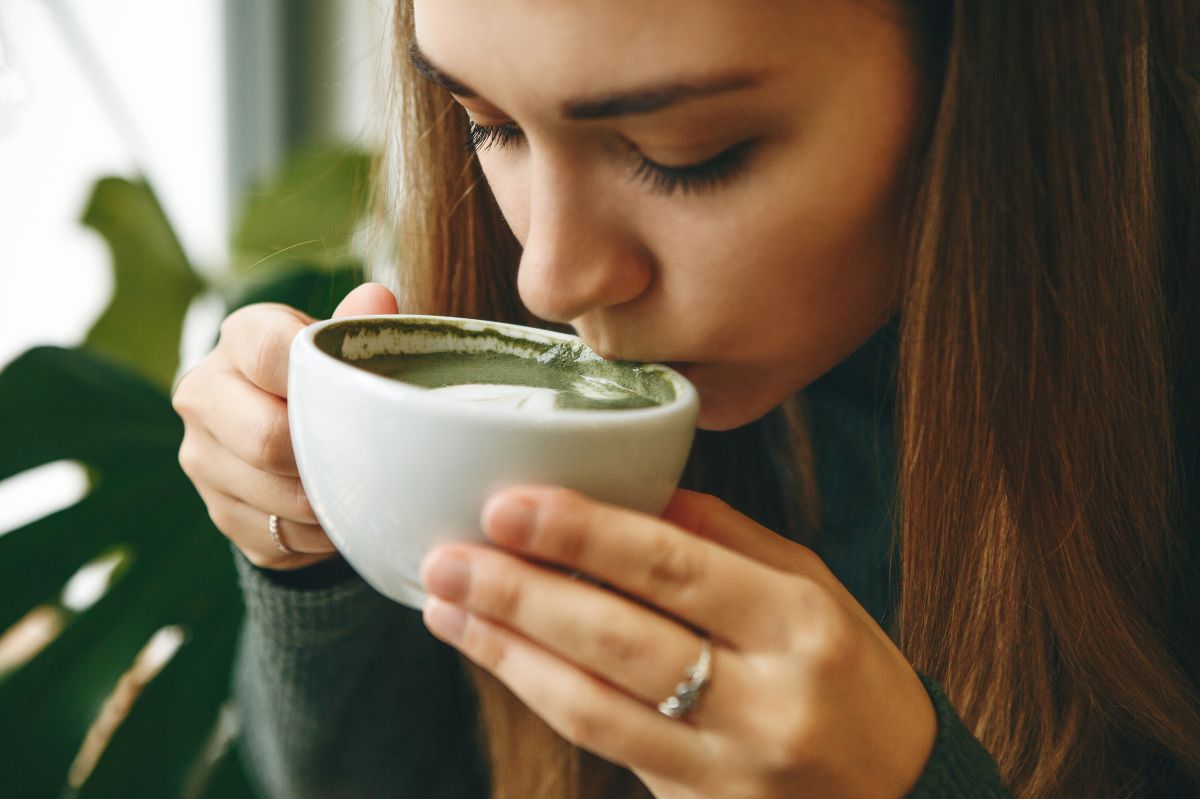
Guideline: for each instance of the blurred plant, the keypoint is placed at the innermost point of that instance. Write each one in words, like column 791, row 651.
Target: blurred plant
column 121, row 693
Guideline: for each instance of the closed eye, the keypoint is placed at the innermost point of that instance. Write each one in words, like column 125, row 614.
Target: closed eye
column 481, row 137
column 692, row 178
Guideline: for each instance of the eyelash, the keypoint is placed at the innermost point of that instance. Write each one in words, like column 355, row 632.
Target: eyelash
column 705, row 176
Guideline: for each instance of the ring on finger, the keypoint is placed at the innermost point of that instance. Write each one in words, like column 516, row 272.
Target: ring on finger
column 687, row 693
column 273, row 529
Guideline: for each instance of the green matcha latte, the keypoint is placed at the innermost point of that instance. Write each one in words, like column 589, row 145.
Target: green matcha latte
column 489, row 367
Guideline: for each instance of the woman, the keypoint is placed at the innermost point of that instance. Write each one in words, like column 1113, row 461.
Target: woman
column 981, row 221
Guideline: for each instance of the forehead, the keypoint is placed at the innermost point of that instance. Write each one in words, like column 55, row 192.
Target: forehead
column 544, row 49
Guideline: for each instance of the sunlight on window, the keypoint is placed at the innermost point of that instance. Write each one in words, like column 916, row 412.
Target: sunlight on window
column 92, row 581
column 38, row 492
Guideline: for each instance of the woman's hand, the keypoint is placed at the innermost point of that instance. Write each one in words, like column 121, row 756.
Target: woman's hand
column 808, row 697
column 237, row 448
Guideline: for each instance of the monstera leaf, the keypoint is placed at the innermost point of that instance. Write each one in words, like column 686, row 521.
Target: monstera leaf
column 105, row 406
column 307, row 215
column 58, row 404
column 154, row 283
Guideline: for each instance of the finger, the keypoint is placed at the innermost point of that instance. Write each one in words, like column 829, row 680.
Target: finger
column 246, row 527
column 247, row 421
column 608, row 635
column 259, row 338
column 207, row 463
column 706, row 585
column 716, row 521
column 709, row 517
column 585, row 710
column 369, row 298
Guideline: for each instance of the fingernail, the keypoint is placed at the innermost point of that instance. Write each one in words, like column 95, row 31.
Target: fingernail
column 509, row 520
column 444, row 620
column 447, row 574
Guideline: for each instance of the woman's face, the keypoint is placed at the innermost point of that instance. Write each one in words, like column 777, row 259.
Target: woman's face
column 701, row 182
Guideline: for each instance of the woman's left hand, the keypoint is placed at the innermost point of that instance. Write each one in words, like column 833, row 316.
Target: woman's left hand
column 808, row 697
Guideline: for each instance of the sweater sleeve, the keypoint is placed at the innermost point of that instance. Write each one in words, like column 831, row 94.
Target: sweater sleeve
column 959, row 767
column 343, row 693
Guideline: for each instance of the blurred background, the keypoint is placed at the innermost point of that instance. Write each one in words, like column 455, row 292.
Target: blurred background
column 160, row 165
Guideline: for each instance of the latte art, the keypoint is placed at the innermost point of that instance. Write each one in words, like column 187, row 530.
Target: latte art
column 511, row 381
column 587, row 392
column 514, row 397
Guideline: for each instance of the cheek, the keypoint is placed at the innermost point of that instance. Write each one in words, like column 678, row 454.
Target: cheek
column 798, row 274
column 836, row 243
column 835, row 264
column 804, row 265
column 507, row 175
column 795, row 274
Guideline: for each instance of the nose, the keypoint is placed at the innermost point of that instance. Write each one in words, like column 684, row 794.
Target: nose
column 581, row 254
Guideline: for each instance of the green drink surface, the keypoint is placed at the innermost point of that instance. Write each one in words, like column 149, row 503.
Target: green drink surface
column 575, row 386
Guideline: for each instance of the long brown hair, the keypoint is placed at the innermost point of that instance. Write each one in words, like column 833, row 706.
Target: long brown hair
column 1044, row 325
column 1047, row 388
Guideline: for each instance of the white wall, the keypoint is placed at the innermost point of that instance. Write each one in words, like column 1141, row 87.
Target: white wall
column 165, row 60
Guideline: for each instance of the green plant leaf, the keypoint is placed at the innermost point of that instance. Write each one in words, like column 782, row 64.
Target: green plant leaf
column 60, row 404
column 154, row 283
column 105, row 406
column 308, row 213
column 311, row 289
column 225, row 779
column 73, row 404
column 184, row 698
column 63, row 404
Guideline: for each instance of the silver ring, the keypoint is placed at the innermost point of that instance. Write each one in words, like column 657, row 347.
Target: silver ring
column 687, row 693
column 273, row 529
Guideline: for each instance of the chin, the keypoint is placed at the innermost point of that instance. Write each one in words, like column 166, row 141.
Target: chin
column 718, row 422
column 729, row 401
column 733, row 396
column 730, row 412
column 717, row 425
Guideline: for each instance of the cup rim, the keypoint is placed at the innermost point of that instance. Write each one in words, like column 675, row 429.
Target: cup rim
column 686, row 397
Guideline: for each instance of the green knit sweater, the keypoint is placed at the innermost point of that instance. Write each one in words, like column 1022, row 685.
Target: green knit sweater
column 343, row 693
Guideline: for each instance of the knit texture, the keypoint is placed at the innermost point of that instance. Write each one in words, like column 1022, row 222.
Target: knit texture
column 960, row 767
column 343, row 693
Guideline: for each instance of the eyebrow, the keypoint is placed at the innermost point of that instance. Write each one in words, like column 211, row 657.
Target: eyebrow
column 642, row 100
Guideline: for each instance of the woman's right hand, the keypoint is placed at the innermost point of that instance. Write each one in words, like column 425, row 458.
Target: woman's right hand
column 237, row 448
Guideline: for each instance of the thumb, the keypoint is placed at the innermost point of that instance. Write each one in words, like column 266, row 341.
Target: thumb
column 369, row 298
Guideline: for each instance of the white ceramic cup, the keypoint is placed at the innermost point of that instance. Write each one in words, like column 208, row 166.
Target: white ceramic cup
column 392, row 469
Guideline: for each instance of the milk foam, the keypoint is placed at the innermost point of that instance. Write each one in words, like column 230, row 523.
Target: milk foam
column 531, row 398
